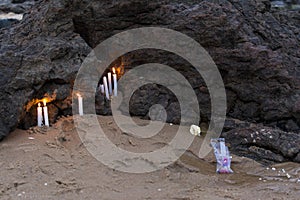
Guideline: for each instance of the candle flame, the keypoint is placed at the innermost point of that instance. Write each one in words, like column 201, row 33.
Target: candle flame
column 114, row 70
column 78, row 95
column 39, row 104
column 45, row 102
column 35, row 102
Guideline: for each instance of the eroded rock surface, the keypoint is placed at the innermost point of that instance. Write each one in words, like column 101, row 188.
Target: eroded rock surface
column 16, row 6
column 264, row 143
column 40, row 55
column 255, row 49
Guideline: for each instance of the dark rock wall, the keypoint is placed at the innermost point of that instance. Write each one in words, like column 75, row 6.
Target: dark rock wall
column 16, row 6
column 256, row 50
column 39, row 55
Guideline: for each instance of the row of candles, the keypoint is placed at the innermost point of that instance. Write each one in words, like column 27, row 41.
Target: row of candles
column 105, row 88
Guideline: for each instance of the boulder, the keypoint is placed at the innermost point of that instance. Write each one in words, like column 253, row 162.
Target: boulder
column 264, row 143
column 39, row 57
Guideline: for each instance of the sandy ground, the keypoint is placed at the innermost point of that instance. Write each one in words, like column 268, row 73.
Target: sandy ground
column 54, row 164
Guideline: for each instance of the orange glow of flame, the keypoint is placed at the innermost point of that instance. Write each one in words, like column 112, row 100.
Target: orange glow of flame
column 45, row 102
column 40, row 102
column 118, row 70
column 78, row 95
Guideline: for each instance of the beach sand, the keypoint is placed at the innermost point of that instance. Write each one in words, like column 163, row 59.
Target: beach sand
column 54, row 164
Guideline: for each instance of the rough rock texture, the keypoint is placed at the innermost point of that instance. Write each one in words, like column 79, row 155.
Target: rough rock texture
column 256, row 50
column 15, row 6
column 7, row 22
column 12, row 7
column 40, row 55
column 264, row 143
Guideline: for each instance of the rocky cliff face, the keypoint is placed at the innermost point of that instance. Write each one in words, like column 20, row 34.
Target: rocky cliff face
column 40, row 55
column 255, row 49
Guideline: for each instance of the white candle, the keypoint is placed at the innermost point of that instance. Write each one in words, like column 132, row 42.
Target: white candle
column 102, row 88
column 80, row 105
column 39, row 115
column 109, row 83
column 115, row 85
column 46, row 114
column 105, row 87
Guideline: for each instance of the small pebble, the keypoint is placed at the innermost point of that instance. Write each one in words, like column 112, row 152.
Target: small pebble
column 288, row 176
column 45, row 184
column 264, row 181
column 271, row 137
column 31, row 138
column 171, row 124
column 268, row 168
column 19, row 195
column 273, row 168
column 283, row 170
column 159, row 189
column 260, row 179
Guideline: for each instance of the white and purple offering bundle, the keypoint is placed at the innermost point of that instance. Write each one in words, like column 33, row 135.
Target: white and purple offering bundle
column 222, row 156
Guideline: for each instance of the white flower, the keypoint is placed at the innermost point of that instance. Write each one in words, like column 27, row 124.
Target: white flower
column 195, row 130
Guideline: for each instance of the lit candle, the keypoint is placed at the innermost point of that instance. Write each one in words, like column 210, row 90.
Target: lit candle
column 115, row 82
column 46, row 113
column 39, row 115
column 80, row 105
column 105, row 87
column 109, row 83
column 102, row 88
